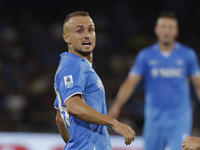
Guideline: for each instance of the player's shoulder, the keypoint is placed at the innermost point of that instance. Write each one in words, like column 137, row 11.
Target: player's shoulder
column 184, row 49
column 147, row 51
column 68, row 61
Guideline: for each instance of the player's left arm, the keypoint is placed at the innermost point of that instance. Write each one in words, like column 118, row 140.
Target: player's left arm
column 194, row 71
column 61, row 127
column 196, row 83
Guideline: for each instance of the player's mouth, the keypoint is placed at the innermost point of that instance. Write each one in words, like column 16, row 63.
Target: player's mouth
column 87, row 44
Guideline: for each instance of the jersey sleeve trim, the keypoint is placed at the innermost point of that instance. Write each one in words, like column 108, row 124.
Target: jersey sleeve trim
column 195, row 74
column 73, row 95
column 56, row 107
column 134, row 74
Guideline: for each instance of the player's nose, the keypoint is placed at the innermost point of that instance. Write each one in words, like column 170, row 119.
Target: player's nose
column 87, row 34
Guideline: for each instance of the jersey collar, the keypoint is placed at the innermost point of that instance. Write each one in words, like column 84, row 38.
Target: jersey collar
column 67, row 54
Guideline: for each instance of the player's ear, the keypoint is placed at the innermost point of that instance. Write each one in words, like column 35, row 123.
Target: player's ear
column 155, row 30
column 66, row 38
column 177, row 32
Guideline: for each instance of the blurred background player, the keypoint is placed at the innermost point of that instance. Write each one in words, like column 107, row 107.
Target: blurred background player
column 80, row 93
column 191, row 143
column 165, row 68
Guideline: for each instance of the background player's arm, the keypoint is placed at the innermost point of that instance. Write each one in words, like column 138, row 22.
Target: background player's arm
column 61, row 127
column 78, row 108
column 196, row 83
column 124, row 93
column 191, row 143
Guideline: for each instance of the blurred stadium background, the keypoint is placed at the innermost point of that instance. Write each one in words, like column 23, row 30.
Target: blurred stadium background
column 31, row 42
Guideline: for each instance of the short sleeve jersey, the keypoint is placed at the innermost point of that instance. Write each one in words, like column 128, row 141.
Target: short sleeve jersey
column 76, row 76
column 167, row 96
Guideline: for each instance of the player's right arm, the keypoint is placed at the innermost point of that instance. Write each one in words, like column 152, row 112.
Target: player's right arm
column 78, row 108
column 129, row 85
column 124, row 93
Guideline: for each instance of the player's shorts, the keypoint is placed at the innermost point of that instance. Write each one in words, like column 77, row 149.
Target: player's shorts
column 158, row 138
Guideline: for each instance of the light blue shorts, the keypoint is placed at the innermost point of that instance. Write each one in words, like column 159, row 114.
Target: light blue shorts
column 158, row 138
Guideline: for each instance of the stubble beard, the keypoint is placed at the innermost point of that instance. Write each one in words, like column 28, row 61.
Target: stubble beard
column 84, row 53
column 167, row 43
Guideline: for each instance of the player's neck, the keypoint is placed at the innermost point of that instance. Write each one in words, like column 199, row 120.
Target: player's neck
column 166, row 48
column 90, row 58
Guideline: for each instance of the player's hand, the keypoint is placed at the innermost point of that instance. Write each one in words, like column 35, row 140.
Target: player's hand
column 191, row 143
column 125, row 131
column 114, row 111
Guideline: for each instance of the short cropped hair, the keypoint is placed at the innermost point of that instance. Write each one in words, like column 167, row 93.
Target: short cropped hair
column 75, row 14
column 168, row 14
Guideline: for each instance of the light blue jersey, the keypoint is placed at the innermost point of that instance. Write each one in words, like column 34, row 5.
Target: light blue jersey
column 167, row 96
column 76, row 76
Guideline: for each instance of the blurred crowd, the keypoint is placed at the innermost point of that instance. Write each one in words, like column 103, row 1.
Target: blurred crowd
column 31, row 42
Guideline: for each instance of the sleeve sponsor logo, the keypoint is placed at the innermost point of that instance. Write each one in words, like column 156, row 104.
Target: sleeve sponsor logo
column 99, row 84
column 68, row 81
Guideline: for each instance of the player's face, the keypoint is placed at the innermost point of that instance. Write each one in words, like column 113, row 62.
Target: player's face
column 166, row 30
column 82, row 37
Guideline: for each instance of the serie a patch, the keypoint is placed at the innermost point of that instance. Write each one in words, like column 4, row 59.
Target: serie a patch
column 68, row 81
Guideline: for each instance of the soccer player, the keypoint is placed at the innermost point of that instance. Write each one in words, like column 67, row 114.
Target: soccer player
column 191, row 143
column 80, row 93
column 165, row 68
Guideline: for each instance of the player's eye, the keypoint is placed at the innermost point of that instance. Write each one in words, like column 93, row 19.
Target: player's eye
column 90, row 30
column 79, row 31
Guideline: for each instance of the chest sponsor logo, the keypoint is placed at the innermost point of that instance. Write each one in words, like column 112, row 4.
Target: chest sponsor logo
column 68, row 81
column 167, row 72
